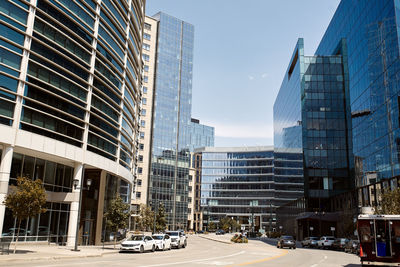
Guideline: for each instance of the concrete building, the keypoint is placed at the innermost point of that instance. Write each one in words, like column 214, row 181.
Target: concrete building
column 70, row 80
column 195, row 213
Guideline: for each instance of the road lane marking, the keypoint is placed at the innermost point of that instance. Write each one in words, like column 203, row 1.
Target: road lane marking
column 261, row 260
column 194, row 261
column 315, row 265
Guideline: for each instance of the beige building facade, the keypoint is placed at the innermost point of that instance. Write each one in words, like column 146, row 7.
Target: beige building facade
column 149, row 48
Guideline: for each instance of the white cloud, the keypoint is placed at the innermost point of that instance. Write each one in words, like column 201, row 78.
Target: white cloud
column 250, row 77
column 264, row 75
column 241, row 130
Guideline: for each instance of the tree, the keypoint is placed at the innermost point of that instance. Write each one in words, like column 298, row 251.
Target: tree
column 227, row 223
column 211, row 226
column 146, row 218
column 161, row 218
column 117, row 216
column 390, row 202
column 27, row 199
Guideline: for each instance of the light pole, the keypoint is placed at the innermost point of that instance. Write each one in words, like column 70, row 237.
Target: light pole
column 76, row 183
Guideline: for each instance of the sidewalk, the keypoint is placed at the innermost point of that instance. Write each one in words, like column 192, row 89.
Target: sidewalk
column 226, row 238
column 52, row 252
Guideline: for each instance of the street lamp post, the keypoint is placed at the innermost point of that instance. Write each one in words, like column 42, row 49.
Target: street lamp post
column 76, row 183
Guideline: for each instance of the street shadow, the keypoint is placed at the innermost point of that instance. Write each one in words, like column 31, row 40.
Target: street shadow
column 18, row 251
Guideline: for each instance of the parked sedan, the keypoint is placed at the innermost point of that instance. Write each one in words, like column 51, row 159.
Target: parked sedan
column 352, row 246
column 220, row 232
column 139, row 243
column 310, row 241
column 163, row 241
column 339, row 243
column 325, row 242
column 286, row 241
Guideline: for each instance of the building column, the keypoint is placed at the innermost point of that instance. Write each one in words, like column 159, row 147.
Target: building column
column 73, row 212
column 5, row 169
column 100, row 208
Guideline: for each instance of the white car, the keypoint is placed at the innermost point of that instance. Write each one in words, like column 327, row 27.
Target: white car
column 325, row 242
column 178, row 239
column 163, row 241
column 139, row 243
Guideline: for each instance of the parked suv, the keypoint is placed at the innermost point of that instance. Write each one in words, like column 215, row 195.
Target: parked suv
column 325, row 242
column 310, row 241
column 286, row 241
column 178, row 239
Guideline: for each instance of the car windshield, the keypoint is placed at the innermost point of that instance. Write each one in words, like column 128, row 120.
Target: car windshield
column 173, row 233
column 330, row 238
column 157, row 237
column 314, row 238
column 287, row 237
column 137, row 238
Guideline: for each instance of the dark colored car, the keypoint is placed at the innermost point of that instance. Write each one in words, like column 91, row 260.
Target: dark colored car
column 200, row 232
column 286, row 241
column 352, row 246
column 339, row 243
column 220, row 232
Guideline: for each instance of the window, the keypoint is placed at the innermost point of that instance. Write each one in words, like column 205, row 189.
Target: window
column 138, row 194
column 139, row 182
column 146, row 47
column 146, row 57
column 142, row 123
column 140, row 158
column 143, row 112
column 146, row 79
column 140, row 170
column 144, row 101
column 141, row 146
column 147, row 36
column 144, row 90
column 141, row 135
column 147, row 26
column 146, row 68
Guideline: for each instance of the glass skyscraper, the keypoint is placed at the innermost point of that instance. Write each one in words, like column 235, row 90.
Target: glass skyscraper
column 370, row 29
column 171, row 119
column 311, row 114
column 200, row 135
column 70, row 92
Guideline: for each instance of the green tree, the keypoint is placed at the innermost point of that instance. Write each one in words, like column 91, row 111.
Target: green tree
column 212, row 226
column 390, row 202
column 27, row 199
column 117, row 216
column 161, row 218
column 227, row 224
column 146, row 218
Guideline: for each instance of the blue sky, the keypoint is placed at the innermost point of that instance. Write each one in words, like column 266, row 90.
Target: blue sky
column 241, row 53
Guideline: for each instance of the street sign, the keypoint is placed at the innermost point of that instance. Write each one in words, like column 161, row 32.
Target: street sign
column 311, row 228
column 332, row 228
column 243, row 227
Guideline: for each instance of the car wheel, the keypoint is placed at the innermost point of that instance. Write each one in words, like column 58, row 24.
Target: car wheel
column 141, row 249
column 153, row 248
column 294, row 247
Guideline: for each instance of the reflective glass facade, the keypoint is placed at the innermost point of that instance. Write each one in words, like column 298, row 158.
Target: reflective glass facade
column 311, row 113
column 370, row 29
column 238, row 183
column 200, row 135
column 78, row 78
column 171, row 119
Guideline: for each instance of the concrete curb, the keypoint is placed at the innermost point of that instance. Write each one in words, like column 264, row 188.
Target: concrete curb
column 58, row 257
column 216, row 240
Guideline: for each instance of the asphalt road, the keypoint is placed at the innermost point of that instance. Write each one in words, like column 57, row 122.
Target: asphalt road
column 203, row 252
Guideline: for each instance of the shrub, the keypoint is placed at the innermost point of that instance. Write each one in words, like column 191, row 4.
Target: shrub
column 239, row 239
